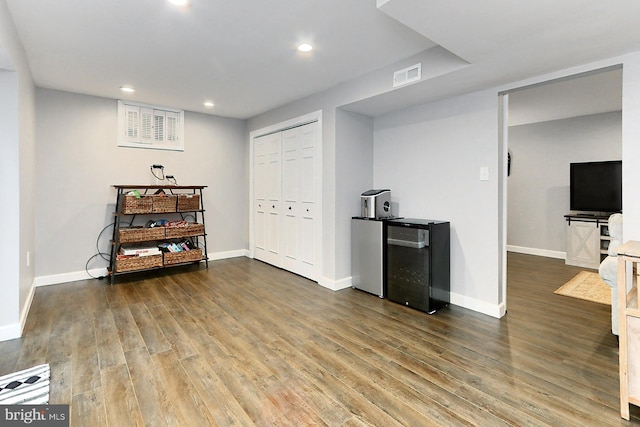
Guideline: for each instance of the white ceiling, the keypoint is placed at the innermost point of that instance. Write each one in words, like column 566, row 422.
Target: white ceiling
column 241, row 54
column 592, row 93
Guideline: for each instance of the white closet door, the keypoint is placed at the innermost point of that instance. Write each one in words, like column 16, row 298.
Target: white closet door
column 290, row 197
column 267, row 195
column 311, row 194
column 301, row 185
column 287, row 189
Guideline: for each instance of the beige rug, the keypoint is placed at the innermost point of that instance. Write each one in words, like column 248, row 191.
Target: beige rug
column 587, row 285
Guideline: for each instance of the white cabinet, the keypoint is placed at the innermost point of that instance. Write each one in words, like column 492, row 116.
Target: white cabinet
column 587, row 240
column 629, row 325
column 287, row 191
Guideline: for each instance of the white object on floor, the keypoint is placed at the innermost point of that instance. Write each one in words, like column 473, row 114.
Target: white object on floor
column 27, row 387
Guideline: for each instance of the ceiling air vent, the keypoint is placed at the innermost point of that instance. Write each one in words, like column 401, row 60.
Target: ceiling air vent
column 407, row 75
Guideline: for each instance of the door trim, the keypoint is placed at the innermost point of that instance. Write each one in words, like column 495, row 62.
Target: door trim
column 315, row 116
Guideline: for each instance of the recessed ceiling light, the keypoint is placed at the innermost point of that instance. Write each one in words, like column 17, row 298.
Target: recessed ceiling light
column 127, row 89
column 179, row 2
column 208, row 104
column 305, row 47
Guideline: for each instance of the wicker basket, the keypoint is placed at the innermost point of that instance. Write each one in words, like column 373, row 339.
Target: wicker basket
column 188, row 202
column 184, row 256
column 162, row 203
column 140, row 234
column 192, row 229
column 137, row 205
column 138, row 263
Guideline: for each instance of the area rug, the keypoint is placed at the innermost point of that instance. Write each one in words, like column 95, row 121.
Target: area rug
column 28, row 387
column 588, row 286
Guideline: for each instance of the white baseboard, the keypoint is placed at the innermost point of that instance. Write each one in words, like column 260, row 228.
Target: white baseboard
column 228, row 254
column 335, row 285
column 10, row 332
column 535, row 251
column 74, row 276
column 27, row 306
column 493, row 310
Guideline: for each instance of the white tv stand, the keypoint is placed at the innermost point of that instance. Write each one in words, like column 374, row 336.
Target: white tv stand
column 587, row 239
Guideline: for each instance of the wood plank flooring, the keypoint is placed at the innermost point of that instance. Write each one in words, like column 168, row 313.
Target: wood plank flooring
column 243, row 343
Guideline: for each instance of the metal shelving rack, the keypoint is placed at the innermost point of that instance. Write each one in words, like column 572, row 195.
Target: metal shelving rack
column 173, row 190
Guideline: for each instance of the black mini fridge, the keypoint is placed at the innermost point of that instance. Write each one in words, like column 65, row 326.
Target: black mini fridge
column 418, row 263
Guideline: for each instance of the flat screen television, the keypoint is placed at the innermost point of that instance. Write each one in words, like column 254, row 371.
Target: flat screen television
column 596, row 186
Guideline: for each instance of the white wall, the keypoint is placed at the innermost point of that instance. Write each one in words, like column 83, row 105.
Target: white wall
column 16, row 171
column 9, row 161
column 335, row 216
column 630, row 146
column 27, row 163
column 630, row 128
column 354, row 164
column 436, row 151
column 430, row 156
column 538, row 185
column 78, row 161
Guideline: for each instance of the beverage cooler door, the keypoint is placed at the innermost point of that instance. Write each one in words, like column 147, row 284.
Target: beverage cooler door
column 408, row 266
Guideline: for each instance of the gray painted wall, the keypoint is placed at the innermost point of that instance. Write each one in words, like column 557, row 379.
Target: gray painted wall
column 336, row 217
column 430, row 156
column 463, row 135
column 75, row 158
column 78, row 161
column 538, row 188
column 355, row 159
column 17, row 139
column 9, row 172
column 444, row 142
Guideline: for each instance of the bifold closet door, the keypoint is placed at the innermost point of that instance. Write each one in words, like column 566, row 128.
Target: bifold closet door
column 300, row 177
column 267, row 194
column 286, row 194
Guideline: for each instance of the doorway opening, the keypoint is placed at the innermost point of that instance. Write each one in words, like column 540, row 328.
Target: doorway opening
column 543, row 128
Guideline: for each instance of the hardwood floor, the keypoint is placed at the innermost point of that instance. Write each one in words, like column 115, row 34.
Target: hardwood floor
column 246, row 344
